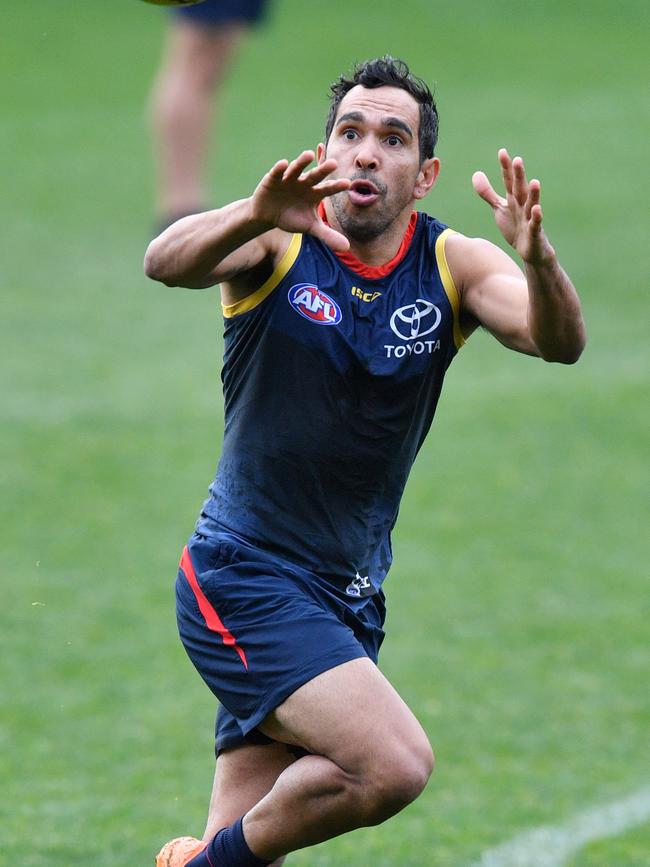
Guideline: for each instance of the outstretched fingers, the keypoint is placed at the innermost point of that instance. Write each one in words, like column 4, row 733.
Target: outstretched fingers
column 317, row 178
column 519, row 215
column 486, row 191
column 297, row 172
column 536, row 219
column 521, row 191
column 520, row 182
column 506, row 170
column 278, row 170
column 296, row 167
column 532, row 198
column 289, row 195
column 330, row 188
column 322, row 171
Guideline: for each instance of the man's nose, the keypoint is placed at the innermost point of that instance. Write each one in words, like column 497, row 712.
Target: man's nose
column 367, row 156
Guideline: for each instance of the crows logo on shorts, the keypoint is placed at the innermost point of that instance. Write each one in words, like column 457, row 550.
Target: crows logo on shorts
column 313, row 304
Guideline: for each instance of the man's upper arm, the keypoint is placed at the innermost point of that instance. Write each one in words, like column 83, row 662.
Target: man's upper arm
column 493, row 291
column 243, row 272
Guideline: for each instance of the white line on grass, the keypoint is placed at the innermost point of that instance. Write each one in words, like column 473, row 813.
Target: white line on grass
column 552, row 845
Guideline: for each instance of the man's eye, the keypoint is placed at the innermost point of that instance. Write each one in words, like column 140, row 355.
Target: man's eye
column 394, row 140
column 349, row 134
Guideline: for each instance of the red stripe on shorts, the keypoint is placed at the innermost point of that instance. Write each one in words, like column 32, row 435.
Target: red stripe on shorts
column 212, row 619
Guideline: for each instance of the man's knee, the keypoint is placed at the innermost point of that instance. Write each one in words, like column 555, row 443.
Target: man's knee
column 400, row 780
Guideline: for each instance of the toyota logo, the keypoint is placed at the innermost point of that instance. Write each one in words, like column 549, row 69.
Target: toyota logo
column 415, row 320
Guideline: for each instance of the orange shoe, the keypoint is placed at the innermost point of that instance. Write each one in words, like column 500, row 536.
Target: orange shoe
column 178, row 852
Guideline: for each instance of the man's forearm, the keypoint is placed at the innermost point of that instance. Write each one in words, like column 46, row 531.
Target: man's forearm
column 188, row 252
column 554, row 312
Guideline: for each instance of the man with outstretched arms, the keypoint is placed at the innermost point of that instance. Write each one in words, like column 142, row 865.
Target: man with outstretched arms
column 343, row 309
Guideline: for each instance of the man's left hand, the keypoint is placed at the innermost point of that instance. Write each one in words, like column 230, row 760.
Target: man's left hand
column 519, row 215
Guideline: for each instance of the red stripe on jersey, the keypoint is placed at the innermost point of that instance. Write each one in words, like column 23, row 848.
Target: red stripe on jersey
column 212, row 619
column 374, row 272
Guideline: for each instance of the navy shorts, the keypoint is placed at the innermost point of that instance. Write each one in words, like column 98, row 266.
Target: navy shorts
column 257, row 627
column 215, row 12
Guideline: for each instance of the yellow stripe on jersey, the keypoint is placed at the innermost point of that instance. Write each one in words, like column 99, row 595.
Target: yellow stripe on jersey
column 282, row 269
column 448, row 284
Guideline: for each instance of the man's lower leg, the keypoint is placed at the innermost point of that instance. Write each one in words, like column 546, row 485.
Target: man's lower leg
column 228, row 849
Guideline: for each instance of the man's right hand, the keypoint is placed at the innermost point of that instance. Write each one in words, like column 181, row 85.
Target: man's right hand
column 288, row 196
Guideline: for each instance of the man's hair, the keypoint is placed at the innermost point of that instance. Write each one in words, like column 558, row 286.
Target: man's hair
column 392, row 72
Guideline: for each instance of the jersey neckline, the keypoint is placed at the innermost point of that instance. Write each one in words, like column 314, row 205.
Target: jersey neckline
column 375, row 272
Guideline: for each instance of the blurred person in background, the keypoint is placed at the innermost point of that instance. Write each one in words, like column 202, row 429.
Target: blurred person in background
column 201, row 44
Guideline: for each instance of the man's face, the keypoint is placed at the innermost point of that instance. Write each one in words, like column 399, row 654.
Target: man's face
column 375, row 143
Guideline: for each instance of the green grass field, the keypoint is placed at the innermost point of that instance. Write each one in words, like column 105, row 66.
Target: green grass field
column 519, row 607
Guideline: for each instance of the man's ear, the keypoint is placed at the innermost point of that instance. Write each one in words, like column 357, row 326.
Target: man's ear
column 427, row 176
column 320, row 153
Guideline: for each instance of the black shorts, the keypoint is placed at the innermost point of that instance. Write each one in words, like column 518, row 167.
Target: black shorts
column 257, row 627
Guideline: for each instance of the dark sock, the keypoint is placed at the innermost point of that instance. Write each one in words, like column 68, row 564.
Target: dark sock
column 228, row 849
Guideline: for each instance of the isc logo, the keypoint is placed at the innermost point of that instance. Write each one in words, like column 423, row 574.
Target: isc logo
column 365, row 296
column 313, row 304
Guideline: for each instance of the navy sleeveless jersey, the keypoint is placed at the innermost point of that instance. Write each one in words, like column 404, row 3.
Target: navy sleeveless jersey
column 331, row 381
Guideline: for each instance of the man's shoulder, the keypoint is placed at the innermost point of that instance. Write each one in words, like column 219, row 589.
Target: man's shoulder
column 467, row 255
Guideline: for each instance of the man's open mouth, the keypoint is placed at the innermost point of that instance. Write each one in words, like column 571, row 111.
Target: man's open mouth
column 363, row 192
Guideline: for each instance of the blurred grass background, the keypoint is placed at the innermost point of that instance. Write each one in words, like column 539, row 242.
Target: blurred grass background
column 518, row 603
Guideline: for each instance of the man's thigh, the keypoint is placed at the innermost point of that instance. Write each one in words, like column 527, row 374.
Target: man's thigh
column 352, row 715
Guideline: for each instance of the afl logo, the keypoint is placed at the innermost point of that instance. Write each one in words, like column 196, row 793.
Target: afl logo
column 310, row 302
column 415, row 320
